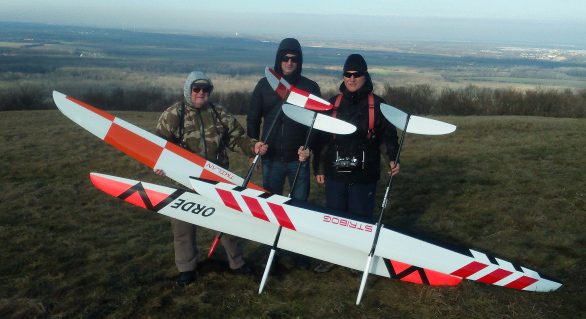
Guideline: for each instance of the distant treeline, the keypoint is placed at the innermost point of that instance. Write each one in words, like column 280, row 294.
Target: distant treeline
column 473, row 100
column 416, row 99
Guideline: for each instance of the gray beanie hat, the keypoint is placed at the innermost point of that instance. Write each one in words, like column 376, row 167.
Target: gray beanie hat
column 195, row 77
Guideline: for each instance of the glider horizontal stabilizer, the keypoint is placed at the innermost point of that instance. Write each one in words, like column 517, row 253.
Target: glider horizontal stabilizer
column 195, row 209
column 417, row 124
column 322, row 122
column 142, row 145
column 328, row 225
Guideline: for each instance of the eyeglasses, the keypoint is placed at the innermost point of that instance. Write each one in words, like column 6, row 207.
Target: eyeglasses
column 294, row 59
column 205, row 89
column 353, row 74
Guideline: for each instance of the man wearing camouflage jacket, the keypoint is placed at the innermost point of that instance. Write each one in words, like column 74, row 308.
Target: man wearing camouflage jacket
column 183, row 124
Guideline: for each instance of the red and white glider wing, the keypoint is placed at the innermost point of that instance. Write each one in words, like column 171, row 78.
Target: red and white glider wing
column 465, row 263
column 143, row 146
column 198, row 210
column 329, row 225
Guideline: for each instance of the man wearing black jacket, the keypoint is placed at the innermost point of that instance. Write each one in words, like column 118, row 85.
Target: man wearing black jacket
column 349, row 165
column 287, row 137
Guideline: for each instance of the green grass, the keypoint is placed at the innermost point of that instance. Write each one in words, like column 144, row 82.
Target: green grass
column 513, row 186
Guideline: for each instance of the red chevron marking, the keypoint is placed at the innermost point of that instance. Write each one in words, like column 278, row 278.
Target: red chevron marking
column 228, row 199
column 521, row 282
column 469, row 269
column 281, row 215
column 255, row 208
column 495, row 276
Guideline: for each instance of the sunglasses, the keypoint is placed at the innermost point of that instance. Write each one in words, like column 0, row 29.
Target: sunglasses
column 294, row 59
column 353, row 74
column 205, row 89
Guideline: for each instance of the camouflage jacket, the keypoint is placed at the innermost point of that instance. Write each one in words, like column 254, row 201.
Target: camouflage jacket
column 221, row 131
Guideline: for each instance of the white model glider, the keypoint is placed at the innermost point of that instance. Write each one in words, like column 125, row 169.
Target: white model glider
column 254, row 214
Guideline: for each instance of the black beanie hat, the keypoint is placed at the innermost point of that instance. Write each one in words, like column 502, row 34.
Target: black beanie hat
column 355, row 62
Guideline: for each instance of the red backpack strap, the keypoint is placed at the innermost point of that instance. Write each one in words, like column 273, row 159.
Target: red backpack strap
column 335, row 108
column 336, row 105
column 370, row 115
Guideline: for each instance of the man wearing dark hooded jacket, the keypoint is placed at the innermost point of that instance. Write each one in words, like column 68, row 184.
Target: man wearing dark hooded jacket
column 287, row 137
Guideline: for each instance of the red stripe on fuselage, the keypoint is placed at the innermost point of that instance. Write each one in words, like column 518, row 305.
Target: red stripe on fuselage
column 469, row 269
column 255, row 208
column 91, row 108
column 281, row 215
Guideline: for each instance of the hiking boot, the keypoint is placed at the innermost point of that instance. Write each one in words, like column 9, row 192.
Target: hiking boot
column 185, row 278
column 243, row 270
column 323, row 267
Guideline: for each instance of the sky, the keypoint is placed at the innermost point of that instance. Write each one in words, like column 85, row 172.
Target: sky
column 547, row 22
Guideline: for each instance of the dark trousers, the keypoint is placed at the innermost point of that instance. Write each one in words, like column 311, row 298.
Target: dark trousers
column 354, row 198
column 275, row 172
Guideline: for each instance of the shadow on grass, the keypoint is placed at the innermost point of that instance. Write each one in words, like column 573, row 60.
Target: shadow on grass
column 420, row 185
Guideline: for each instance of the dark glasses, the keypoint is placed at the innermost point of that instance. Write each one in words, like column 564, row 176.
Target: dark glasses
column 205, row 89
column 294, row 59
column 353, row 74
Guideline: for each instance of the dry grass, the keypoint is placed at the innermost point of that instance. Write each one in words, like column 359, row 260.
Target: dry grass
column 510, row 185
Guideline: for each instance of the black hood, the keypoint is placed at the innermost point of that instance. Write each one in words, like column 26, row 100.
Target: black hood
column 289, row 45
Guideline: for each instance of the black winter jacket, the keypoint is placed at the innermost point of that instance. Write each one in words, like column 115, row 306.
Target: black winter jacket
column 354, row 109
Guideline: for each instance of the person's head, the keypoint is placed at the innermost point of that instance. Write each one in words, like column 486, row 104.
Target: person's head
column 289, row 58
column 355, row 72
column 197, row 89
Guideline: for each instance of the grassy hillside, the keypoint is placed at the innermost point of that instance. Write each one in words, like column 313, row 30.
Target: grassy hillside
column 513, row 186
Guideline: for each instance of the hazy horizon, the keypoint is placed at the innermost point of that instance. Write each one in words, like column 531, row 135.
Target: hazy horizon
column 537, row 22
